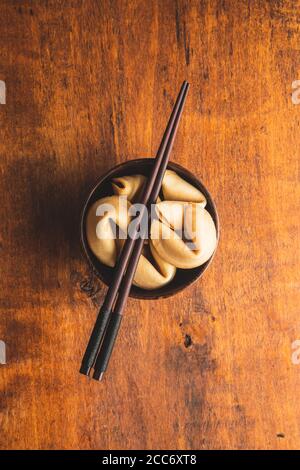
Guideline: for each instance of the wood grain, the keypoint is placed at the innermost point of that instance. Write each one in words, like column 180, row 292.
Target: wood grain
column 90, row 84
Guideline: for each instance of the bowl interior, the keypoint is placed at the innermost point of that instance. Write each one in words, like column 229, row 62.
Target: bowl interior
column 183, row 277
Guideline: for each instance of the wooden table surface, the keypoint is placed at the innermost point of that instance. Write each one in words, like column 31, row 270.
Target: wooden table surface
column 90, row 84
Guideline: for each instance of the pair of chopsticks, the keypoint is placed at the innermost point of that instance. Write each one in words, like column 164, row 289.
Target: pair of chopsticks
column 108, row 322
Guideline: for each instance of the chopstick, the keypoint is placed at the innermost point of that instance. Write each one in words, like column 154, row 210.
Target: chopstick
column 114, row 322
column 96, row 338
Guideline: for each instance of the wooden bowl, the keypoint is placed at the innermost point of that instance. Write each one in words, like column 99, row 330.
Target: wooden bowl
column 183, row 277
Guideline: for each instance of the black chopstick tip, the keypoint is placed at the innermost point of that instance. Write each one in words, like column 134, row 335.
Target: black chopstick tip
column 85, row 370
column 98, row 375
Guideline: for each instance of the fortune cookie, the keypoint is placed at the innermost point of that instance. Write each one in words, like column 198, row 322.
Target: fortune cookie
column 175, row 188
column 151, row 275
column 184, row 234
column 128, row 186
column 105, row 219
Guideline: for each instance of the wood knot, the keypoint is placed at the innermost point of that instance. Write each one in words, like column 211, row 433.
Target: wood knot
column 188, row 341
